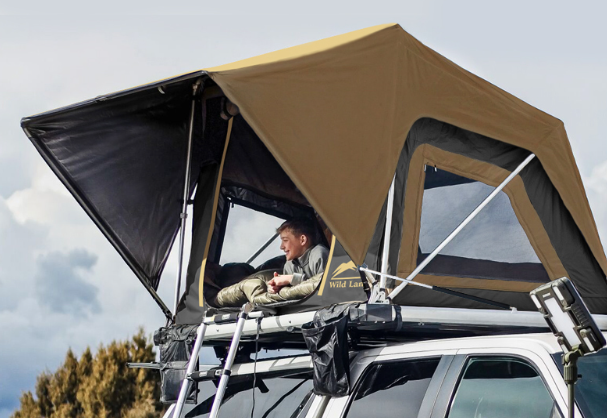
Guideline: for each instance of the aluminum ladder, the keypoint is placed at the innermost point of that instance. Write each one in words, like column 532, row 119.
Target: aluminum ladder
column 246, row 312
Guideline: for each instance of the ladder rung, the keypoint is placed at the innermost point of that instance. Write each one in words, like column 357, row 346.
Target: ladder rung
column 205, row 375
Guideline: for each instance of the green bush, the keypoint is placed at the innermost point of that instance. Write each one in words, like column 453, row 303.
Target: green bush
column 99, row 386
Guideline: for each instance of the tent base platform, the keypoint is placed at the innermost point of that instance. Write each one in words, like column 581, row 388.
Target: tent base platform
column 375, row 324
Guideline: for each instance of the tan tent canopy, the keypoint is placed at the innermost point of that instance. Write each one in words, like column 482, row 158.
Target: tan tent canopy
column 348, row 102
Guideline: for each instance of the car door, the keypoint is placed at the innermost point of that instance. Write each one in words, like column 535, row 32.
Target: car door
column 496, row 385
column 389, row 384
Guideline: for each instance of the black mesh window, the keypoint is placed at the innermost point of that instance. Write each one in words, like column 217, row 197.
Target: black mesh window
column 501, row 387
column 392, row 388
column 492, row 246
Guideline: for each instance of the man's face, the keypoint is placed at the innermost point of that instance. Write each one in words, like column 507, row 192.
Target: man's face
column 293, row 246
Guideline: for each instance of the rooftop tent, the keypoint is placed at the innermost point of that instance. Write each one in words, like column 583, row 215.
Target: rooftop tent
column 333, row 122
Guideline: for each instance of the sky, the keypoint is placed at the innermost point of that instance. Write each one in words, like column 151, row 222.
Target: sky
column 63, row 285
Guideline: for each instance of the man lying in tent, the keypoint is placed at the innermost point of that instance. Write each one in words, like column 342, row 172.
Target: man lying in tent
column 305, row 264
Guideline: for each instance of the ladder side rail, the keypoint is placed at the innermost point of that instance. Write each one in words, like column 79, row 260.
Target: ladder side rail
column 185, row 385
column 227, row 369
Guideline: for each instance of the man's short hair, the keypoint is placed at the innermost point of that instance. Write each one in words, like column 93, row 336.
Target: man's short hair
column 300, row 226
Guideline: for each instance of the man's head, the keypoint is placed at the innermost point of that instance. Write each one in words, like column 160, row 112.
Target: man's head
column 296, row 236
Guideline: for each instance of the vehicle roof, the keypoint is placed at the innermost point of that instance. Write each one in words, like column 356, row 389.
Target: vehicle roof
column 541, row 341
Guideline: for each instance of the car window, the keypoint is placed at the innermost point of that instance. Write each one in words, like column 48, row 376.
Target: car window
column 501, row 387
column 278, row 397
column 392, row 387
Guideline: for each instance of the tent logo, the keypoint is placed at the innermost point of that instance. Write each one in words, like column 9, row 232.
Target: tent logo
column 345, row 275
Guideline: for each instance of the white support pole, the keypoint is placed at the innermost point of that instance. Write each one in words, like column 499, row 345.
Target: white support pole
column 379, row 294
column 387, row 232
column 461, row 226
column 186, row 188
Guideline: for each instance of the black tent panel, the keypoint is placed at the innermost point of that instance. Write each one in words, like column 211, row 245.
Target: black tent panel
column 123, row 157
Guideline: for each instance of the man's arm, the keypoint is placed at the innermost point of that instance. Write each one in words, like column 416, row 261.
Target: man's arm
column 284, row 279
column 279, row 281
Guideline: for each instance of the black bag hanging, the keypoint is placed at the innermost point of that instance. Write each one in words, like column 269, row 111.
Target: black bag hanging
column 327, row 340
column 176, row 344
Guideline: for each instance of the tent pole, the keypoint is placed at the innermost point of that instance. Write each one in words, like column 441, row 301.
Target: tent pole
column 461, row 226
column 379, row 295
column 186, row 188
column 260, row 250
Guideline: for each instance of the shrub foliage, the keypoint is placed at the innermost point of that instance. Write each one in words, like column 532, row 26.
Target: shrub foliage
column 98, row 386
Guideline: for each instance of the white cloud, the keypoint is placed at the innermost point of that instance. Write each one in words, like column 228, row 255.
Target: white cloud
column 60, row 274
column 41, row 206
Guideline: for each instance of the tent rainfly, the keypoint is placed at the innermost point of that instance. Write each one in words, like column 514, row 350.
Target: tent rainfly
column 322, row 130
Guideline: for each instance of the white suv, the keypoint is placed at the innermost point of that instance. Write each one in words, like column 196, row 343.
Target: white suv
column 499, row 376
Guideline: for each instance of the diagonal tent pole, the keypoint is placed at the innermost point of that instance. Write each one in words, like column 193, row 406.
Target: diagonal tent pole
column 461, row 226
column 263, row 247
column 196, row 87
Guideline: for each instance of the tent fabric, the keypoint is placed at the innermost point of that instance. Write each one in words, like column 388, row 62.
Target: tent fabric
column 189, row 310
column 548, row 225
column 123, row 157
column 211, row 223
column 250, row 164
column 102, row 173
column 480, row 171
column 363, row 91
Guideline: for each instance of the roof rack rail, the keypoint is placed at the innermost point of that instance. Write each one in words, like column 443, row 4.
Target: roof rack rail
column 381, row 323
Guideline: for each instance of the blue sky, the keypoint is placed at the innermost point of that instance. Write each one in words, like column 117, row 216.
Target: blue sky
column 62, row 285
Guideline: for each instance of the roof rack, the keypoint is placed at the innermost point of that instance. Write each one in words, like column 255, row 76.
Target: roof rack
column 377, row 323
